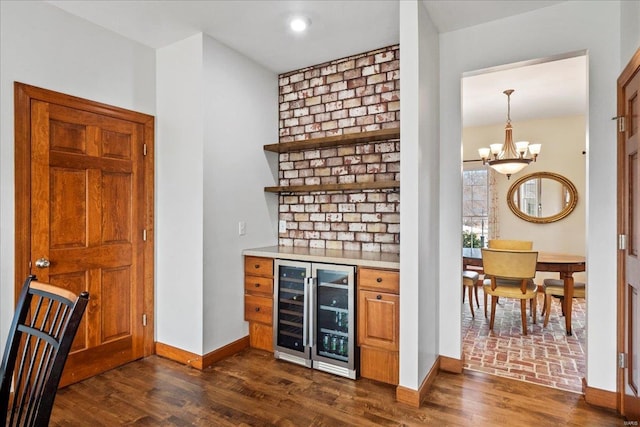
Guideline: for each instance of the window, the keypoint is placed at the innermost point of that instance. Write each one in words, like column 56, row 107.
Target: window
column 475, row 208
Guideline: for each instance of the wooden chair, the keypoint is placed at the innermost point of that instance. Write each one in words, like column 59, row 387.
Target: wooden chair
column 517, row 245
column 43, row 327
column 511, row 275
column 470, row 282
column 555, row 288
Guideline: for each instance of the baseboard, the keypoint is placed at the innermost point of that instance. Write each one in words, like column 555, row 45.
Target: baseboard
column 197, row 361
column 414, row 397
column 224, row 352
column 449, row 364
column 601, row 398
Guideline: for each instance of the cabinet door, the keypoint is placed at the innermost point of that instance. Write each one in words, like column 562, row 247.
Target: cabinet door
column 261, row 336
column 378, row 319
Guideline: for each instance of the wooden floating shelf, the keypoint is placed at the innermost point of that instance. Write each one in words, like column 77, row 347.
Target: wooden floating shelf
column 334, row 141
column 376, row 185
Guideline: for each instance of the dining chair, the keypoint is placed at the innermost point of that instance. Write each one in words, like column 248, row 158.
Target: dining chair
column 555, row 288
column 44, row 325
column 511, row 275
column 470, row 280
column 519, row 245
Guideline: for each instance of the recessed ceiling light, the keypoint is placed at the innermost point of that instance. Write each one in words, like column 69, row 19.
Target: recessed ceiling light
column 299, row 23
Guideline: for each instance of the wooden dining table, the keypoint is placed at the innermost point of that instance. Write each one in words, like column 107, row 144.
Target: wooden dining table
column 563, row 264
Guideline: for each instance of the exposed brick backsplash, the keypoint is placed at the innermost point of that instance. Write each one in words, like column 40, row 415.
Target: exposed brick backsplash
column 349, row 95
column 353, row 94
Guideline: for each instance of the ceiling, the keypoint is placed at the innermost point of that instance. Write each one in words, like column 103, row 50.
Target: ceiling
column 258, row 29
column 542, row 89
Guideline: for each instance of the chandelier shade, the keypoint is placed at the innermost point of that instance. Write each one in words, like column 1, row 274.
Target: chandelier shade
column 509, row 158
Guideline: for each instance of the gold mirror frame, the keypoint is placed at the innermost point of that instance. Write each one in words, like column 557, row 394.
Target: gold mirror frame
column 571, row 189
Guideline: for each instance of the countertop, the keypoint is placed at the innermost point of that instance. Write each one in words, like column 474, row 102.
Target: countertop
column 333, row 256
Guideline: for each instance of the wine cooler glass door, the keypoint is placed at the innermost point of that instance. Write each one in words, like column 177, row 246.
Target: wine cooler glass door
column 290, row 310
column 334, row 314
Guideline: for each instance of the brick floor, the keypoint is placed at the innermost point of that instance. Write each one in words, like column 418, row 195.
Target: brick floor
column 546, row 356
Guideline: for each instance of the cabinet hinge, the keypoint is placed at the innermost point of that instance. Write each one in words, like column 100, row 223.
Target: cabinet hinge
column 622, row 242
column 622, row 360
column 144, row 235
column 144, row 149
column 144, row 320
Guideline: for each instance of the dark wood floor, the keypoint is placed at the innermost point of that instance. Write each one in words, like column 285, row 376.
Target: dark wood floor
column 253, row 389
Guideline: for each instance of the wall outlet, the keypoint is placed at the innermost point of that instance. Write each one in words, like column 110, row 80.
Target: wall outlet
column 282, row 226
column 242, row 228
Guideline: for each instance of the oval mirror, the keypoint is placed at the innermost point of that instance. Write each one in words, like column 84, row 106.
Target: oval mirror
column 542, row 197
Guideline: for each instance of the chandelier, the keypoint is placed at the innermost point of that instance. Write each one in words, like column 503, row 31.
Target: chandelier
column 509, row 158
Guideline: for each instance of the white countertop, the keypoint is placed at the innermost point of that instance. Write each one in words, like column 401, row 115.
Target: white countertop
column 333, row 256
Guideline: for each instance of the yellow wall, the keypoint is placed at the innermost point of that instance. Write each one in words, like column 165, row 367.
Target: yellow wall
column 563, row 142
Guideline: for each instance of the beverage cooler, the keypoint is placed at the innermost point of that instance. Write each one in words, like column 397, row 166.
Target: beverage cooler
column 314, row 316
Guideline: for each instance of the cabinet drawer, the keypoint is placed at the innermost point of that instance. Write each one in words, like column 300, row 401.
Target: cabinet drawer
column 378, row 320
column 258, row 266
column 258, row 309
column 258, row 285
column 383, row 280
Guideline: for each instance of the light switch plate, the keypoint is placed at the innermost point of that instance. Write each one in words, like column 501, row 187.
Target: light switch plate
column 242, row 228
column 282, row 226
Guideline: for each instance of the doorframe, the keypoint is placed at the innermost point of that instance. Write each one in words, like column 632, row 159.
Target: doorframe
column 625, row 76
column 23, row 96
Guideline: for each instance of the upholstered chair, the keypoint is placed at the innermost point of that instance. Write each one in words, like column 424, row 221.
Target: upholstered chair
column 510, row 275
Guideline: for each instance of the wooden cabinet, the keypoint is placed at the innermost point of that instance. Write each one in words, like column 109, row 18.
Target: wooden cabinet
column 258, row 301
column 379, row 324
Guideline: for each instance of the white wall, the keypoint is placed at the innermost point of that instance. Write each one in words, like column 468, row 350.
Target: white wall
column 241, row 115
column 630, row 31
column 180, row 194
column 216, row 109
column 558, row 29
column 419, row 173
column 563, row 140
column 46, row 47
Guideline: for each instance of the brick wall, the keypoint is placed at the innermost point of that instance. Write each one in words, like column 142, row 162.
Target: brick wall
column 354, row 94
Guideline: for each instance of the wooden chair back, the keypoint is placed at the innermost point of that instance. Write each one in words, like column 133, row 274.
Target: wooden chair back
column 40, row 337
column 519, row 245
column 509, row 265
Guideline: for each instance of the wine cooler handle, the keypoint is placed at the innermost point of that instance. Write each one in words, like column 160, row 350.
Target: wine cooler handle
column 312, row 311
column 305, row 311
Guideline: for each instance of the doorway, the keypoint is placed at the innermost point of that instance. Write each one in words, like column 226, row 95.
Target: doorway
column 548, row 106
column 84, row 219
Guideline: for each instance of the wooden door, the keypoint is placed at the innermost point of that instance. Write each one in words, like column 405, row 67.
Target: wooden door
column 629, row 220
column 86, row 219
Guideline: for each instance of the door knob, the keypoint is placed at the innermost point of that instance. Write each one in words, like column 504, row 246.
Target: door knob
column 42, row 263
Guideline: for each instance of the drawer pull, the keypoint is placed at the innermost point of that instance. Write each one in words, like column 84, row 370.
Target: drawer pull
column 257, row 285
column 379, row 279
column 257, row 309
column 257, row 266
column 378, row 296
